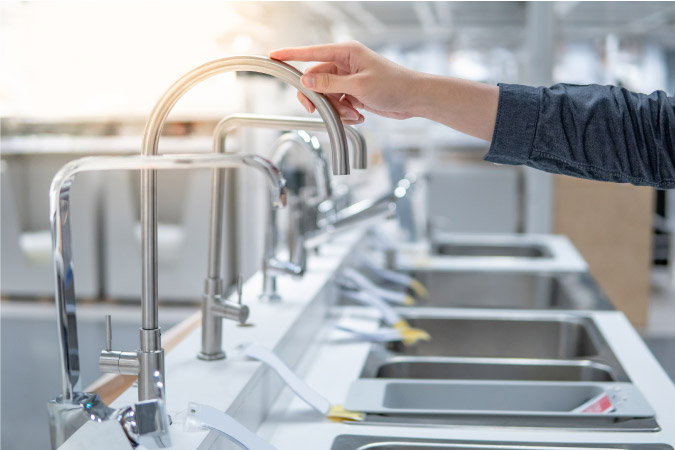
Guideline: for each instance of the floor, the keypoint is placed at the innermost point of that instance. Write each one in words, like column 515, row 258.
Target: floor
column 660, row 331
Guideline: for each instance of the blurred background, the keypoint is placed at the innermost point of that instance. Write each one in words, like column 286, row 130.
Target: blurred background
column 80, row 79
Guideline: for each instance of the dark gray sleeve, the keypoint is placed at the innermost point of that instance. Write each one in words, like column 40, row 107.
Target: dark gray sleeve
column 602, row 133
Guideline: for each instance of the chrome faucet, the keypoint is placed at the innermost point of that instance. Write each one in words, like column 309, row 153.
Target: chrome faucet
column 211, row 325
column 72, row 408
column 296, row 265
column 214, row 285
column 359, row 213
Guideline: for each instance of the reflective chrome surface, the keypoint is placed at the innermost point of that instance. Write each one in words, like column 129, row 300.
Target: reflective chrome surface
column 272, row 266
column 150, row 355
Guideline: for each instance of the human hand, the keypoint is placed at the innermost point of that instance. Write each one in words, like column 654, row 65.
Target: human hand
column 354, row 77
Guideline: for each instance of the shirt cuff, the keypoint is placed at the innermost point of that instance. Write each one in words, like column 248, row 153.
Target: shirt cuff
column 517, row 115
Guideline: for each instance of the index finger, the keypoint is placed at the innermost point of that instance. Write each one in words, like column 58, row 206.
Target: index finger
column 335, row 53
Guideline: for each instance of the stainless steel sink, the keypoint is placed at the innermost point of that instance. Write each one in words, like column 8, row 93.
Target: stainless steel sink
column 505, row 250
column 359, row 442
column 486, row 369
column 498, row 289
column 565, row 337
column 535, row 349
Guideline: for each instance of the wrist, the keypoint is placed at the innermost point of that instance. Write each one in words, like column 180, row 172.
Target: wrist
column 424, row 96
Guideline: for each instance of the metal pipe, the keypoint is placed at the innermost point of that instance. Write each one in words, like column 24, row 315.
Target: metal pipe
column 236, row 121
column 61, row 236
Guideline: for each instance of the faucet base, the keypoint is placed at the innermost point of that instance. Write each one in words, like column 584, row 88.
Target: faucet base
column 271, row 298
column 211, row 356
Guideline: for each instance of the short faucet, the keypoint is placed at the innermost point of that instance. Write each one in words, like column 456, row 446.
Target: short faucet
column 358, row 213
column 296, row 266
column 71, row 409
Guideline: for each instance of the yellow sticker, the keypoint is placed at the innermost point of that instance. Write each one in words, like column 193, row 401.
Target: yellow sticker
column 418, row 288
column 409, row 301
column 339, row 413
column 409, row 334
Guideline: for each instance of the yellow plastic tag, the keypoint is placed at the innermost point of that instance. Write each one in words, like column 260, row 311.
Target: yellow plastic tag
column 418, row 288
column 339, row 413
column 409, row 301
column 409, row 334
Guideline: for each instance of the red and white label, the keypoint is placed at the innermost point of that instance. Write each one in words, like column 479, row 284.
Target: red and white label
column 599, row 404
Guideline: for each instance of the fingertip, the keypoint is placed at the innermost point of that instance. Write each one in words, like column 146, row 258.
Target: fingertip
column 276, row 54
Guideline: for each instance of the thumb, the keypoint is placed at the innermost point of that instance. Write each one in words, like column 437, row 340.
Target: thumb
column 326, row 83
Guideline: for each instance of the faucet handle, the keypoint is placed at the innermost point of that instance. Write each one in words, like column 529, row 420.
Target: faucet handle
column 108, row 333
column 240, row 287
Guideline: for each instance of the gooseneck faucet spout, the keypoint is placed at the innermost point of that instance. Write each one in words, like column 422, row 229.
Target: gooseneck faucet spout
column 151, row 342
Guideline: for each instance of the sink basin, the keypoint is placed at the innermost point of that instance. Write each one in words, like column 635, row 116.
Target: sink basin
column 478, row 251
column 490, row 369
column 564, row 355
column 500, row 337
column 358, row 442
column 513, row 399
column 511, row 290
column 513, row 251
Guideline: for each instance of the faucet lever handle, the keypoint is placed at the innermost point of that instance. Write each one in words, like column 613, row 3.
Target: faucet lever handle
column 240, row 283
column 108, row 332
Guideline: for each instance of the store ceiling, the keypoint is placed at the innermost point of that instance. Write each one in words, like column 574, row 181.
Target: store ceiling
column 480, row 24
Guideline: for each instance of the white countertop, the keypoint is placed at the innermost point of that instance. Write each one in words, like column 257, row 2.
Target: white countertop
column 328, row 359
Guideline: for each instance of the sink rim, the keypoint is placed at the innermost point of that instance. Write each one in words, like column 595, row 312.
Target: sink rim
column 374, row 364
column 364, row 442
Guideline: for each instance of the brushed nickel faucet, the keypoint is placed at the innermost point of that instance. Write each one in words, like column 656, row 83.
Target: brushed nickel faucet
column 214, row 286
column 146, row 422
column 152, row 355
column 359, row 213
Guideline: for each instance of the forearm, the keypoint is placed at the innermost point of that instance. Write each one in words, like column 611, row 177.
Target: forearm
column 596, row 132
column 466, row 106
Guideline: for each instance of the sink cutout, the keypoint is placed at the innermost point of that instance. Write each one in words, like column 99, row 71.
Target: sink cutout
column 505, row 338
column 467, row 397
column 477, row 250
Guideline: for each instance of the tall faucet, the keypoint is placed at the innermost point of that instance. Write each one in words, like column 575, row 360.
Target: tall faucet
column 146, row 422
column 151, row 350
column 296, row 265
column 214, row 286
